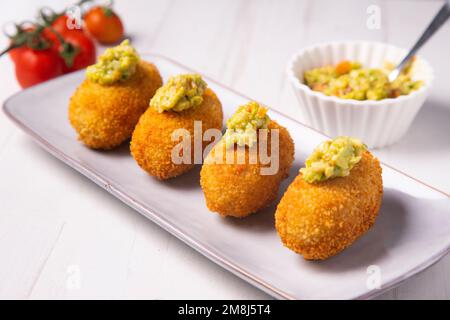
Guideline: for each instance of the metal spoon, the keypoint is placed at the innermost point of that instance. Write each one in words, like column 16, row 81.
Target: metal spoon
column 436, row 23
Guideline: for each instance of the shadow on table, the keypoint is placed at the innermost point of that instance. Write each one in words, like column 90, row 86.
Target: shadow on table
column 186, row 181
column 430, row 129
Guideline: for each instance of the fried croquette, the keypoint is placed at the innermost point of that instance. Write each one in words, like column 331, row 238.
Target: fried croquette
column 238, row 190
column 104, row 116
column 152, row 144
column 319, row 220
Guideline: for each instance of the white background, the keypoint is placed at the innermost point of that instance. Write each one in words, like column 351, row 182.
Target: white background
column 63, row 237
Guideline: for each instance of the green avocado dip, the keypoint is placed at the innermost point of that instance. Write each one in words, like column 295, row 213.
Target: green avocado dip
column 349, row 80
column 243, row 125
column 116, row 64
column 333, row 158
column 180, row 93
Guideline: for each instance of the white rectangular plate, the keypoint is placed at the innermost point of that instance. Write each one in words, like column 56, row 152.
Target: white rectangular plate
column 411, row 233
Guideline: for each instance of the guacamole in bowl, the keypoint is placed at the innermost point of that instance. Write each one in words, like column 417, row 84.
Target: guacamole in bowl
column 342, row 88
column 350, row 80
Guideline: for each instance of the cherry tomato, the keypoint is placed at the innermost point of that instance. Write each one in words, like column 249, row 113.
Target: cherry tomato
column 82, row 42
column 104, row 25
column 35, row 66
column 86, row 50
column 14, row 53
column 64, row 23
column 60, row 26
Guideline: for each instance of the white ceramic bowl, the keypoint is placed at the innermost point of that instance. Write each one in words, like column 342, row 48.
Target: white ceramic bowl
column 377, row 123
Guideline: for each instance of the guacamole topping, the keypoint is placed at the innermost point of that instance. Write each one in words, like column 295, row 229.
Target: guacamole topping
column 243, row 125
column 179, row 93
column 349, row 80
column 114, row 65
column 333, row 158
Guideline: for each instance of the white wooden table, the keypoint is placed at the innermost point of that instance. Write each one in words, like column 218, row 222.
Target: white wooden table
column 63, row 237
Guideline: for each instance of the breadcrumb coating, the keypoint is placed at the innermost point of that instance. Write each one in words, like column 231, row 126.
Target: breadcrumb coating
column 104, row 116
column 321, row 219
column 151, row 143
column 239, row 190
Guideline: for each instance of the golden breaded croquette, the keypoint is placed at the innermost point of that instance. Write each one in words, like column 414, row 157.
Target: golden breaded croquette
column 105, row 115
column 319, row 220
column 152, row 145
column 238, row 190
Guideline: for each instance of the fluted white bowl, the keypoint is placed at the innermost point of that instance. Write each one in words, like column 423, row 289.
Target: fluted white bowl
column 377, row 123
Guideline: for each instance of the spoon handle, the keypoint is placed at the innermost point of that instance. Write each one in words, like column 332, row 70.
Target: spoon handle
column 435, row 24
